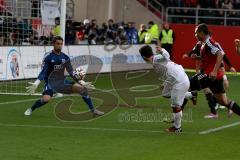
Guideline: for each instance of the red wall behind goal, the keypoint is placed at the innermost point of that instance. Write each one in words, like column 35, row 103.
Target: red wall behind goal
column 185, row 41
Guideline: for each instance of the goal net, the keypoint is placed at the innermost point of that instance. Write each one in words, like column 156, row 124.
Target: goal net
column 26, row 30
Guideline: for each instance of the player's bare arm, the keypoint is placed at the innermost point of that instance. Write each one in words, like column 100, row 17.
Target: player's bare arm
column 220, row 55
column 237, row 44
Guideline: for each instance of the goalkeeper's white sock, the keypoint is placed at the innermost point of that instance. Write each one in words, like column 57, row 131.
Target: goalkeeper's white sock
column 177, row 117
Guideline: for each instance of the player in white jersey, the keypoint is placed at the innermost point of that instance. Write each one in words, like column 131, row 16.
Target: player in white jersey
column 176, row 82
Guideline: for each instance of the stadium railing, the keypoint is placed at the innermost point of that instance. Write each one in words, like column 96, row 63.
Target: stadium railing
column 203, row 15
column 155, row 7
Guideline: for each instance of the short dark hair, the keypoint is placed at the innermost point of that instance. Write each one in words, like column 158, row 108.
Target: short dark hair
column 146, row 51
column 57, row 38
column 57, row 19
column 151, row 23
column 110, row 20
column 203, row 28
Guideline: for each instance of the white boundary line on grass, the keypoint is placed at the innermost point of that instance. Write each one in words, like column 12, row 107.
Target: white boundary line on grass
column 110, row 90
column 18, row 101
column 88, row 128
column 219, row 128
column 72, row 95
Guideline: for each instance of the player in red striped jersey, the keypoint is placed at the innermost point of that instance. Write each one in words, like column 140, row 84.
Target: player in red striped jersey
column 212, row 103
column 211, row 74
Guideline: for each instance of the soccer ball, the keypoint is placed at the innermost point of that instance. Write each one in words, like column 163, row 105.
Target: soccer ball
column 79, row 73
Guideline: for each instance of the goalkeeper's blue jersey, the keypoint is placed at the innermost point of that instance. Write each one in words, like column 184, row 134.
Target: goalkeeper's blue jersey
column 55, row 63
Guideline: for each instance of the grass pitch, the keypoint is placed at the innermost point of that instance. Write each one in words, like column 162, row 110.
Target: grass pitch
column 128, row 132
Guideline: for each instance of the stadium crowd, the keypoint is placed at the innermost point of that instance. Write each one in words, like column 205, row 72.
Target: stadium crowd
column 229, row 5
column 224, row 4
column 17, row 31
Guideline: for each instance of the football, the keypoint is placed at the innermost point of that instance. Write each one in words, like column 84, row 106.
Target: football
column 79, row 73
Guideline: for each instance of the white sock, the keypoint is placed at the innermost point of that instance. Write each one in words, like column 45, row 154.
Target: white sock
column 188, row 95
column 177, row 119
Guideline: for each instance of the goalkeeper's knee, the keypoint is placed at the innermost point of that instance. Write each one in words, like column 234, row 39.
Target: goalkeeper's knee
column 84, row 92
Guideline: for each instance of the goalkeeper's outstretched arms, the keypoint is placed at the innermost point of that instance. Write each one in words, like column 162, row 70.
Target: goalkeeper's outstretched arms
column 33, row 85
column 70, row 71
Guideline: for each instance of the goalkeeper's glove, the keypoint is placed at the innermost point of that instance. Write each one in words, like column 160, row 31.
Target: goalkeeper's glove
column 33, row 86
column 87, row 85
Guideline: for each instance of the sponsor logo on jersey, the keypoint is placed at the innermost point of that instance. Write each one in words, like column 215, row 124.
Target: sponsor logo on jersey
column 58, row 67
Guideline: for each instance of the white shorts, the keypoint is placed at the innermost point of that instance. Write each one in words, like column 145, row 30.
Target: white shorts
column 176, row 91
column 224, row 77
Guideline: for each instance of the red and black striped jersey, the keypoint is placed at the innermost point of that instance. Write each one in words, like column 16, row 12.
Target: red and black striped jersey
column 208, row 52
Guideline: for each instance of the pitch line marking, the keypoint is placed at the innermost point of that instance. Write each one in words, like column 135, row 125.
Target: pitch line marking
column 19, row 101
column 88, row 128
column 219, row 128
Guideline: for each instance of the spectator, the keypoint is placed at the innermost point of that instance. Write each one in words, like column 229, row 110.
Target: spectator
column 1, row 39
column 103, row 32
column 36, row 8
column 93, row 29
column 206, row 3
column 153, row 32
column 57, row 29
column 132, row 33
column 28, row 32
column 236, row 4
column 190, row 3
column 24, row 31
column 227, row 4
column 185, row 19
column 233, row 22
column 179, row 3
column 111, row 26
column 217, row 4
column 111, row 31
column 220, row 14
column 177, row 19
column 142, row 33
column 169, row 3
column 2, row 36
column 167, row 38
column 92, row 39
column 69, row 34
column 121, row 37
column 80, row 35
column 2, row 7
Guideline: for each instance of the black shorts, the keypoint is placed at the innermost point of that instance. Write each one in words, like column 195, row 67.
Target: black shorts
column 216, row 86
column 202, row 80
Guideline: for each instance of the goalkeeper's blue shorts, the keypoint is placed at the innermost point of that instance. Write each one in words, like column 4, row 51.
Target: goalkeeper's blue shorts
column 64, row 86
column 47, row 90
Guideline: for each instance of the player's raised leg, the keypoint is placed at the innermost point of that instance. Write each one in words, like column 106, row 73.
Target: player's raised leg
column 232, row 105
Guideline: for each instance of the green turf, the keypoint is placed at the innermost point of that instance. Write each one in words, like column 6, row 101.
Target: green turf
column 115, row 137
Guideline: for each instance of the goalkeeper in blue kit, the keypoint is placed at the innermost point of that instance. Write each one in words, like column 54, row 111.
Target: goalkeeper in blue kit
column 54, row 65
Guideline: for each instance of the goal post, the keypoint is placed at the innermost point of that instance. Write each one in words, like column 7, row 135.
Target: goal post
column 63, row 17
